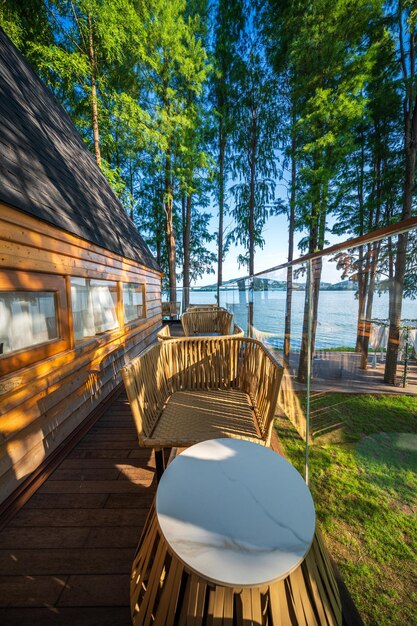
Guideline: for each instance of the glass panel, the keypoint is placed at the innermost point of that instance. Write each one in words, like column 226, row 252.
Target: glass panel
column 27, row 319
column 93, row 307
column 345, row 328
column 133, row 301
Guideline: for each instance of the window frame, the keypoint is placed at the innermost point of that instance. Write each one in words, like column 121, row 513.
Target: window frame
column 122, row 306
column 83, row 340
column 32, row 282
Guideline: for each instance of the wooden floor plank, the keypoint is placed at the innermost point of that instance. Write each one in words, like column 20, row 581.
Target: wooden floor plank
column 54, row 616
column 94, row 473
column 27, row 590
column 99, row 590
column 79, row 517
column 43, row 538
column 64, row 561
column 125, row 537
column 128, row 501
column 87, row 453
column 94, row 486
column 67, row 500
column 119, row 463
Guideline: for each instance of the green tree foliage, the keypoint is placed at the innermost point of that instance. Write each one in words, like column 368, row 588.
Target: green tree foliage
column 228, row 23
column 326, row 50
column 255, row 142
column 172, row 97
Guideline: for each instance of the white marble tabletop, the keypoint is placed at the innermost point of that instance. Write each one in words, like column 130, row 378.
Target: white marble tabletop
column 235, row 512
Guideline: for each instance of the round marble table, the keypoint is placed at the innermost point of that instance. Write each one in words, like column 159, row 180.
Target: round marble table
column 235, row 513
column 232, row 537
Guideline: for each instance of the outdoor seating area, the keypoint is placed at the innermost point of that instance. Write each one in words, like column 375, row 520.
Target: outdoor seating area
column 150, row 389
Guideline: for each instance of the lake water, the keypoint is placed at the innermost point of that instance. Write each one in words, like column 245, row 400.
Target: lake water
column 337, row 318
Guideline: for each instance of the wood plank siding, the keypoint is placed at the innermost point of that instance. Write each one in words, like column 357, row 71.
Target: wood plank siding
column 44, row 400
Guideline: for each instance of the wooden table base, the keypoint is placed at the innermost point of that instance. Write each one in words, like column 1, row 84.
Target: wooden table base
column 164, row 593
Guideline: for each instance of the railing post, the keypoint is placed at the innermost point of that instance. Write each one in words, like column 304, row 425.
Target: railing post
column 308, row 373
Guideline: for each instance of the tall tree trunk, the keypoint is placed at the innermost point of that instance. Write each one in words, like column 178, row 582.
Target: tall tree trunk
column 291, row 226
column 372, row 262
column 397, row 286
column 362, row 261
column 316, row 242
column 131, row 188
column 169, row 228
column 362, row 290
column 222, row 150
column 169, row 197
column 186, row 207
column 375, row 248
column 407, row 59
column 94, row 98
column 252, row 163
column 302, row 367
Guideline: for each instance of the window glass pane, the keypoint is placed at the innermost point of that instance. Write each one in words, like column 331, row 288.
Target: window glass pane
column 27, row 319
column 133, row 301
column 93, row 306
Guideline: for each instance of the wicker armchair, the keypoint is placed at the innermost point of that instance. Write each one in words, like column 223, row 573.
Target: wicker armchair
column 196, row 322
column 189, row 390
column 165, row 333
column 171, row 309
column 202, row 307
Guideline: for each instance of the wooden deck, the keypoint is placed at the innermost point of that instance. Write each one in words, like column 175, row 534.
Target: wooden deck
column 66, row 556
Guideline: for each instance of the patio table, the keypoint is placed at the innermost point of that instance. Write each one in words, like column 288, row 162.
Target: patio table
column 232, row 537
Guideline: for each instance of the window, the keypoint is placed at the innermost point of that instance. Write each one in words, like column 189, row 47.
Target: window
column 94, row 306
column 33, row 318
column 27, row 319
column 133, row 301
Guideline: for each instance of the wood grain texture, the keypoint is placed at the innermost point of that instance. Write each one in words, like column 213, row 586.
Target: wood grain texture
column 42, row 402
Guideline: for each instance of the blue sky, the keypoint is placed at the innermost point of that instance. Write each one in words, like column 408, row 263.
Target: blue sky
column 274, row 252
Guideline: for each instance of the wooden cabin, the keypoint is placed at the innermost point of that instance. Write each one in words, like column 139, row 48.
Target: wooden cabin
column 80, row 292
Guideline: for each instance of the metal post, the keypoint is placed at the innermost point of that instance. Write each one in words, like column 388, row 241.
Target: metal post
column 309, row 331
column 406, row 347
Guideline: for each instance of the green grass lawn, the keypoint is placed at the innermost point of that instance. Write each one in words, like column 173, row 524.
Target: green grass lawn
column 363, row 476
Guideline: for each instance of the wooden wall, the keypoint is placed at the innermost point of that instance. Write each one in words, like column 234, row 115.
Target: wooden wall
column 42, row 403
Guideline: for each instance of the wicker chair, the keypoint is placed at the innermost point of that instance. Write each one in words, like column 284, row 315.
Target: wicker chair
column 202, row 307
column 198, row 322
column 171, row 309
column 189, row 390
column 165, row 333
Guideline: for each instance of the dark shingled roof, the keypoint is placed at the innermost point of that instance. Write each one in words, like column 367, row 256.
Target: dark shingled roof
column 46, row 170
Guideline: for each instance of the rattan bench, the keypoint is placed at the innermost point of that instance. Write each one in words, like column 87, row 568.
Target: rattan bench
column 189, row 390
column 197, row 322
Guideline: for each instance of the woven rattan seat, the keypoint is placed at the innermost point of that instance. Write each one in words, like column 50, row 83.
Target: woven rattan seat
column 206, row 415
column 188, row 390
